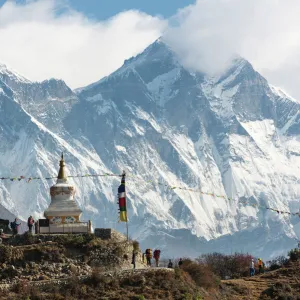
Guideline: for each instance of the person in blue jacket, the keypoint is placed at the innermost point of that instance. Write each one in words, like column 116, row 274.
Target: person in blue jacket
column 15, row 226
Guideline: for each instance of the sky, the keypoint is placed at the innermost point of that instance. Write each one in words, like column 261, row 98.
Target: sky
column 81, row 41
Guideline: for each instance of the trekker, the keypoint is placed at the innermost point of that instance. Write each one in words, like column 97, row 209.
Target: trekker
column 252, row 268
column 260, row 266
column 30, row 223
column 15, row 226
column 133, row 259
column 170, row 264
column 180, row 262
column 263, row 267
column 3, row 236
column 149, row 256
column 156, row 257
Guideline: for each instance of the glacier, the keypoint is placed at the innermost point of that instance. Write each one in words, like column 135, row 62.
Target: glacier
column 234, row 135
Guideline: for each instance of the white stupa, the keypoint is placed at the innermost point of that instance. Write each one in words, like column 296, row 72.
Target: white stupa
column 63, row 208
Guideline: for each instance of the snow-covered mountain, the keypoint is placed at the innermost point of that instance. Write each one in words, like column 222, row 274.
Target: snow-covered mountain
column 233, row 135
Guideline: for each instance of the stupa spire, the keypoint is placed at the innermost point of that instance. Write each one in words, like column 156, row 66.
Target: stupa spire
column 61, row 173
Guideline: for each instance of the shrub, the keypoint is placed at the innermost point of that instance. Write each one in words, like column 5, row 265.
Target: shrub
column 96, row 243
column 200, row 273
column 136, row 246
column 294, row 254
column 97, row 278
column 277, row 262
column 280, row 291
column 227, row 266
column 9, row 254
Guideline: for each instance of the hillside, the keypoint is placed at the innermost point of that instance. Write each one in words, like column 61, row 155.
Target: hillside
column 87, row 267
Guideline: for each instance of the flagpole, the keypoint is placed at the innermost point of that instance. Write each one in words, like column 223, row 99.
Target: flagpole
column 124, row 174
column 122, row 202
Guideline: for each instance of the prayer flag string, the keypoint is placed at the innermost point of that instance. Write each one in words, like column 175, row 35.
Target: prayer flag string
column 171, row 187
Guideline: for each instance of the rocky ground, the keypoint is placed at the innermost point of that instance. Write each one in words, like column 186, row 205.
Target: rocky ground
column 44, row 257
column 85, row 267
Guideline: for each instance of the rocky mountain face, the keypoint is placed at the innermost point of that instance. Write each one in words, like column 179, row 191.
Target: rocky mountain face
column 232, row 135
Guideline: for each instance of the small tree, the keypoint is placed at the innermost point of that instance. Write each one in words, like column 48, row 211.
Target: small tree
column 294, row 254
column 232, row 266
column 277, row 262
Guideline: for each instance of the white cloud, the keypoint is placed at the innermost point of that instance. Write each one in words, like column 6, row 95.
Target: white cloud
column 266, row 32
column 45, row 38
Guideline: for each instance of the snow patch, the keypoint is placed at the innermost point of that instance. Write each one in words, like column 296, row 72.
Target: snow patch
column 120, row 148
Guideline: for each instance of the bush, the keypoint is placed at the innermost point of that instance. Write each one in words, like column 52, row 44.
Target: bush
column 294, row 254
column 97, row 278
column 9, row 254
column 200, row 273
column 136, row 246
column 227, row 266
column 280, row 291
column 277, row 262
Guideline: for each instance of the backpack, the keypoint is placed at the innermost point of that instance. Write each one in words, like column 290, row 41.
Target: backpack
column 149, row 253
column 12, row 225
column 157, row 253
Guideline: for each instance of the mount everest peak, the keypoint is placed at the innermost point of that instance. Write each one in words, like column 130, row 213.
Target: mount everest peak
column 232, row 135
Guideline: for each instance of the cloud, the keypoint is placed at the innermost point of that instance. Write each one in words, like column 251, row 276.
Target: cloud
column 266, row 32
column 46, row 38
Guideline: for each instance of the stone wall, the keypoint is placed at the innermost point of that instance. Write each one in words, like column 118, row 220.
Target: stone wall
column 103, row 233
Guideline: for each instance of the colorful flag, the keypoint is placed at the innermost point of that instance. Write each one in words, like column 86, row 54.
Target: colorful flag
column 122, row 200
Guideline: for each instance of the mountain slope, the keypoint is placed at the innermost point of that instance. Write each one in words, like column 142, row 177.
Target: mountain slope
column 232, row 135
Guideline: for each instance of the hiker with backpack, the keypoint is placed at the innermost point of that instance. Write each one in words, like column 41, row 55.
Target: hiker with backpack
column 149, row 256
column 170, row 264
column 260, row 266
column 30, row 223
column 15, row 226
column 156, row 256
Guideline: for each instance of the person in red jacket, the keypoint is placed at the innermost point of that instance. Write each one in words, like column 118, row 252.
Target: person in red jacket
column 156, row 256
column 30, row 223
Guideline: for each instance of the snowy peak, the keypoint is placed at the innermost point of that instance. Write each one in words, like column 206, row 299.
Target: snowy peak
column 56, row 89
column 8, row 75
column 52, row 89
column 155, row 60
column 47, row 101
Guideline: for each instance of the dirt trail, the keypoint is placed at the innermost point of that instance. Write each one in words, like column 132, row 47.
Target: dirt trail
column 259, row 286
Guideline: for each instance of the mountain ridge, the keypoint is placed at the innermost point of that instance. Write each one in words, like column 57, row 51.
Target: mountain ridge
column 231, row 135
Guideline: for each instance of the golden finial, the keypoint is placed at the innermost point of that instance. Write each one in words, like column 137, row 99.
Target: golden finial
column 61, row 173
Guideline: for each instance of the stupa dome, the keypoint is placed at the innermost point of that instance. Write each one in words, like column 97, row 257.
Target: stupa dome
column 63, row 208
